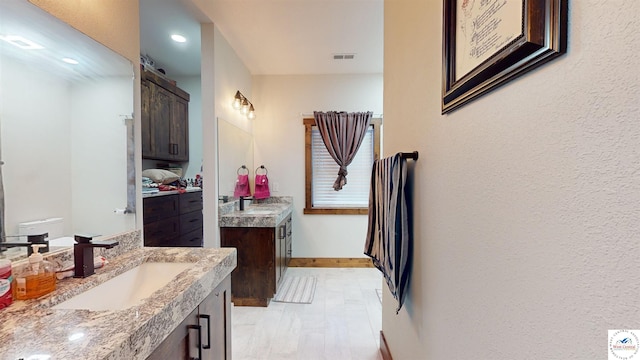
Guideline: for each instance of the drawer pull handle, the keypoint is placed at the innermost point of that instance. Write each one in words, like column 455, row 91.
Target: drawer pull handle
column 208, row 318
column 199, row 342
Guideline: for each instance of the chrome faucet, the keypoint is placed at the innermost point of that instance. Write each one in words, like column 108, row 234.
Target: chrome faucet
column 83, row 254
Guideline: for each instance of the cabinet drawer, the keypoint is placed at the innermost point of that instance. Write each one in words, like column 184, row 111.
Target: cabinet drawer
column 191, row 239
column 190, row 202
column 160, row 207
column 162, row 233
column 190, row 221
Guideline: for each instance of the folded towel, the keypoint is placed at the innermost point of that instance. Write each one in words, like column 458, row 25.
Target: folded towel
column 262, row 187
column 242, row 186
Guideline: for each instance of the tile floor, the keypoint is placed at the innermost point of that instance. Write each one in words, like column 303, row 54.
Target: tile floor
column 342, row 323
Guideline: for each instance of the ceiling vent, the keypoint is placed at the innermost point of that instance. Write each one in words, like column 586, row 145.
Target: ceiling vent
column 344, row 56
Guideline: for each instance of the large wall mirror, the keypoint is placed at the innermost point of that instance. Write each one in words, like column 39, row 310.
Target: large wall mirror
column 66, row 138
column 235, row 148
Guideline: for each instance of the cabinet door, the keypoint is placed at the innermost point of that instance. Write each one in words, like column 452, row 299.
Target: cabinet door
column 161, row 117
column 180, row 344
column 190, row 221
column 160, row 207
column 163, row 233
column 287, row 257
column 254, row 280
column 148, row 143
column 215, row 321
column 179, row 130
column 280, row 246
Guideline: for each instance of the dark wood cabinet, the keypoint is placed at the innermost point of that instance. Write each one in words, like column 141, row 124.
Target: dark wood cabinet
column 173, row 220
column 205, row 333
column 165, row 119
column 263, row 257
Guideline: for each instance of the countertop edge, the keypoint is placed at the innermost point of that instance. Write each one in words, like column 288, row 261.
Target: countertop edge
column 132, row 333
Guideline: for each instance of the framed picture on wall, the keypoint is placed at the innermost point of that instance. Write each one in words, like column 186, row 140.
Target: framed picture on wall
column 486, row 43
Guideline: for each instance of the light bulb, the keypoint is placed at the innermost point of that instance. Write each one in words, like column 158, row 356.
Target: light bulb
column 237, row 100
column 245, row 106
column 252, row 114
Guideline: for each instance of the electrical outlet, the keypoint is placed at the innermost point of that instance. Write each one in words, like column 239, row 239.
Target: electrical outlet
column 276, row 187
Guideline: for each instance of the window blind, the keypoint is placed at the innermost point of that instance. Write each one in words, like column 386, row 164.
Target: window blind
column 325, row 171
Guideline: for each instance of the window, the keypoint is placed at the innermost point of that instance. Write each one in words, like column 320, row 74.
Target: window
column 322, row 171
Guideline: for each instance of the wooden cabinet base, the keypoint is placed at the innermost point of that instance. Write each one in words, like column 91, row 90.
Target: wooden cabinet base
column 263, row 254
column 210, row 321
column 250, row 301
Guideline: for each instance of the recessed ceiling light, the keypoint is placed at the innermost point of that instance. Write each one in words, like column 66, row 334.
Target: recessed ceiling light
column 21, row 42
column 70, row 61
column 178, row 38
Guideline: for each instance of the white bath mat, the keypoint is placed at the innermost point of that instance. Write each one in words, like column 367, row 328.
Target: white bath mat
column 297, row 290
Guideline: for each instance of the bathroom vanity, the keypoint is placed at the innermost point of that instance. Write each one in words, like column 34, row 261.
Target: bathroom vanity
column 262, row 234
column 191, row 307
column 173, row 219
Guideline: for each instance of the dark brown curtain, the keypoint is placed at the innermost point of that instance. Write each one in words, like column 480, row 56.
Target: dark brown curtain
column 342, row 134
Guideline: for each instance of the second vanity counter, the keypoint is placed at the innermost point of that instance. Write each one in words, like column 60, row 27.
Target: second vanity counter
column 262, row 233
column 263, row 213
column 32, row 327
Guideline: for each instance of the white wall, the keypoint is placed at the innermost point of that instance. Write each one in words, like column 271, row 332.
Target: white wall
column 281, row 102
column 36, row 145
column 98, row 139
column 64, row 143
column 116, row 24
column 527, row 200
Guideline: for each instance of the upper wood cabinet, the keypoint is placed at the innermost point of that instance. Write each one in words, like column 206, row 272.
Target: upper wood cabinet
column 165, row 119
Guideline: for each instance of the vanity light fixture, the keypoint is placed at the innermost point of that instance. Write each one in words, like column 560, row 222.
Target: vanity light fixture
column 21, row 42
column 240, row 102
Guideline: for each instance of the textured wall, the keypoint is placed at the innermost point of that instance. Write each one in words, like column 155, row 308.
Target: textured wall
column 527, row 200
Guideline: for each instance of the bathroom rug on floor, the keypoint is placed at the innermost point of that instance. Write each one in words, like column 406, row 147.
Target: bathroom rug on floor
column 297, row 290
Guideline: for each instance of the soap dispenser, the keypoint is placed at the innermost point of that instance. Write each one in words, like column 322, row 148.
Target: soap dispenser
column 37, row 279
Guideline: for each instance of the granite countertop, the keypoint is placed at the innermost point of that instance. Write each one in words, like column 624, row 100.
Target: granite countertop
column 262, row 213
column 171, row 192
column 31, row 327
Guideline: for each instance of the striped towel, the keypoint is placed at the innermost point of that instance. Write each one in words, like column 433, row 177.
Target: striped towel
column 388, row 240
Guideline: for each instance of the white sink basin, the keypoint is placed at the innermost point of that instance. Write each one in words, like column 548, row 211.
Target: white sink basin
column 126, row 289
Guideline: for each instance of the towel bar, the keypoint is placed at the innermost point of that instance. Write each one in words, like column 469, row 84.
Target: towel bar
column 411, row 155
